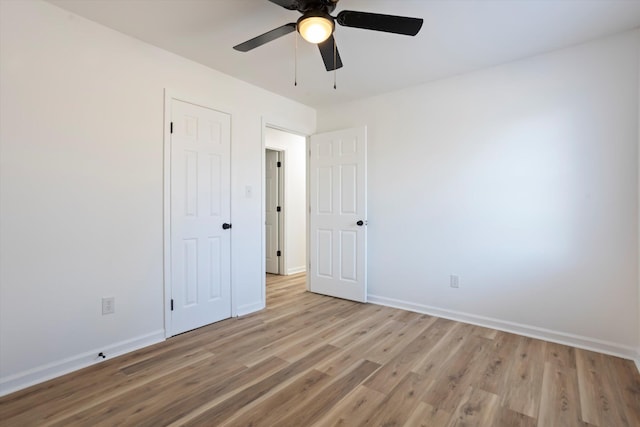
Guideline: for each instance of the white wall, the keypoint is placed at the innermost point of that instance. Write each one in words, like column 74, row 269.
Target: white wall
column 522, row 180
column 295, row 185
column 81, row 180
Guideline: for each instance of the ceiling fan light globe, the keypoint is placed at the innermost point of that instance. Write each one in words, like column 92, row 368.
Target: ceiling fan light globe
column 315, row 29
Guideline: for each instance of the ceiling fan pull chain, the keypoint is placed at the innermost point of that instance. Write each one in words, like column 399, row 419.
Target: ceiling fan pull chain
column 295, row 61
column 335, row 67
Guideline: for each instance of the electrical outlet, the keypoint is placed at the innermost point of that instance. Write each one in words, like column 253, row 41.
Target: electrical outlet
column 454, row 281
column 108, row 305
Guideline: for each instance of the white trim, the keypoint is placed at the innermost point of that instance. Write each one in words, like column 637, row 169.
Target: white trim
column 307, row 210
column 263, row 218
column 166, row 212
column 573, row 340
column 245, row 309
column 637, row 360
column 296, row 270
column 55, row 369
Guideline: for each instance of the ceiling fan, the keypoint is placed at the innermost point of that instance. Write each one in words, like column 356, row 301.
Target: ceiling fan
column 316, row 25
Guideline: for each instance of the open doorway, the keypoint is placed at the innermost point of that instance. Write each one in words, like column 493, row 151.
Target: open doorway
column 285, row 201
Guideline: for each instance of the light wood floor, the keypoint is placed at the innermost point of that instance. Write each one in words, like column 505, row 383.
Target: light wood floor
column 313, row 360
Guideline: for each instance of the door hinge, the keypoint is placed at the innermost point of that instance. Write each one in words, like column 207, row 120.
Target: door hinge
column 171, row 304
column 278, row 209
column 279, row 164
column 171, row 128
column 279, row 253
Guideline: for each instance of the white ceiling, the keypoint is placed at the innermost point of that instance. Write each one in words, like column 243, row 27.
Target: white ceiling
column 457, row 37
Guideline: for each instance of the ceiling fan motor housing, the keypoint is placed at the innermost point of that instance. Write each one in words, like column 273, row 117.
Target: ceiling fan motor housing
column 326, row 6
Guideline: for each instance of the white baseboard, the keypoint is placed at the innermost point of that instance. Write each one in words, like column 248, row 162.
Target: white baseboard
column 55, row 369
column 296, row 270
column 250, row 308
column 578, row 341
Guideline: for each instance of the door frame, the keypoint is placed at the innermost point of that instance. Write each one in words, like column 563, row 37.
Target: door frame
column 169, row 96
column 293, row 128
column 282, row 157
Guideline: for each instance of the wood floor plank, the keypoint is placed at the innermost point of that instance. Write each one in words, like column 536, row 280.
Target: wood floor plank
column 353, row 410
column 310, row 360
column 484, row 332
column 560, row 403
column 388, row 347
column 101, row 389
column 270, row 410
column 525, row 378
column 452, row 382
column 562, row 355
column 400, row 403
column 364, row 331
column 624, row 376
column 426, row 415
column 391, row 373
column 476, row 408
column 227, row 408
column 307, row 413
column 358, row 348
column 493, row 376
column 296, row 343
column 597, row 394
column 187, row 394
column 271, row 331
column 96, row 376
column 342, row 359
column 138, row 403
column 295, row 349
column 439, row 357
column 507, row 418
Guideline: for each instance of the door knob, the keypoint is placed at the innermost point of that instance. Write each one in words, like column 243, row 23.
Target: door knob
column 226, row 226
column 360, row 223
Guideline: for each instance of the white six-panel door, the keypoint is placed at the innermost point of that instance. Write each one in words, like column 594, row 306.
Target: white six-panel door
column 200, row 205
column 338, row 214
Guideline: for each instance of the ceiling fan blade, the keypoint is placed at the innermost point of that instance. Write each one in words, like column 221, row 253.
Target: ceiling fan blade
column 287, row 4
column 326, row 50
column 265, row 38
column 378, row 22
